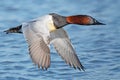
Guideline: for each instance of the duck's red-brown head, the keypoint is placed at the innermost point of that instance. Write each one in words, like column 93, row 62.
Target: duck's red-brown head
column 60, row 21
column 82, row 20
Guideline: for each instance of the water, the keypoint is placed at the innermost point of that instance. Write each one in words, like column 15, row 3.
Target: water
column 98, row 47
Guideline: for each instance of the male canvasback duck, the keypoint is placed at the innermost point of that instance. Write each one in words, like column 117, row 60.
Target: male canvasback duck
column 42, row 31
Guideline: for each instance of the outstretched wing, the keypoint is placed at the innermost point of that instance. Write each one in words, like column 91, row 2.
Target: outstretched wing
column 64, row 47
column 38, row 49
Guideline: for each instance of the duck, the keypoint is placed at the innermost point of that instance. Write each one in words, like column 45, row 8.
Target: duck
column 40, row 32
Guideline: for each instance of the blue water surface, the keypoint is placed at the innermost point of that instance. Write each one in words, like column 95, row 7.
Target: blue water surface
column 98, row 47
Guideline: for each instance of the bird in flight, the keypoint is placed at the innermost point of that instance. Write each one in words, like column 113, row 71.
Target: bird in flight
column 48, row 29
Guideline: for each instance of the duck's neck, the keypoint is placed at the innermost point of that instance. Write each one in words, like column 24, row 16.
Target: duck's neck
column 59, row 21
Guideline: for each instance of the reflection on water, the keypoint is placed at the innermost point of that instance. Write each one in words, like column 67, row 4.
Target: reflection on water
column 98, row 47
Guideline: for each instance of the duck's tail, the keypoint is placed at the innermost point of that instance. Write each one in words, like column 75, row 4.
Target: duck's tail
column 14, row 30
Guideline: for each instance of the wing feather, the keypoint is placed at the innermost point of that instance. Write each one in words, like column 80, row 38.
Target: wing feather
column 38, row 49
column 64, row 47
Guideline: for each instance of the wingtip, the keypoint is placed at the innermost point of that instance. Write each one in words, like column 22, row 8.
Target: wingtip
column 82, row 68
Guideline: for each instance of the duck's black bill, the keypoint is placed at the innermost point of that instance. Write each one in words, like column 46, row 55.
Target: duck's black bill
column 99, row 23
